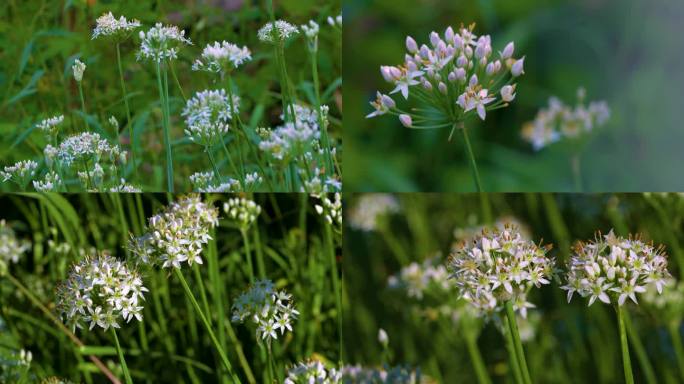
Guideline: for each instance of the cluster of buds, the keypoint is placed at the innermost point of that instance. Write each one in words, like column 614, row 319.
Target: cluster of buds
column 241, row 211
column 177, row 234
column 50, row 125
column 11, row 247
column 207, row 116
column 98, row 291
column 369, row 208
column 78, row 68
column 457, row 75
column 161, row 43
column 613, row 269
column 221, row 57
column 20, row 173
column 331, row 210
column 109, row 26
column 559, row 121
column 283, row 32
column 500, row 266
column 294, row 139
column 85, row 146
column 271, row 310
column 311, row 33
column 418, row 278
column 51, row 182
column 312, row 371
column 317, row 182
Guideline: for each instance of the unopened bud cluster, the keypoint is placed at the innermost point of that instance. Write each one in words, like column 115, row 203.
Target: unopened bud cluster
column 241, row 211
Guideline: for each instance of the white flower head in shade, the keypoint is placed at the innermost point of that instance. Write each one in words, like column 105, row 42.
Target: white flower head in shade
column 20, row 173
column 109, row 26
column 11, row 247
column 293, row 139
column 613, row 269
column 242, row 212
column 311, row 33
column 50, row 125
column 78, row 68
column 457, row 74
column 221, row 57
column 500, row 266
column 335, row 21
column 331, row 209
column 50, row 183
column 312, row 372
column 207, row 116
column 283, row 32
column 368, row 208
column 99, row 291
column 161, row 43
column 177, row 234
column 270, row 310
column 86, row 145
column 560, row 121
column 420, row 278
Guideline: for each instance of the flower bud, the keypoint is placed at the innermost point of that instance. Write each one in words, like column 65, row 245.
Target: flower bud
column 460, row 74
column 442, row 87
column 508, row 93
column 449, row 34
column 387, row 101
column 78, row 69
column 427, row 85
column 382, row 335
column 508, row 51
column 473, row 81
column 434, row 39
column 411, row 45
column 452, row 76
column 461, row 61
column 406, row 120
column 517, row 68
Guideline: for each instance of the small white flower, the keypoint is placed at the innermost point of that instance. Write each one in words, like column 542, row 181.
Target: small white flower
column 241, row 211
column 508, row 93
column 222, row 56
column 283, row 32
column 107, row 25
column 78, row 68
column 161, row 43
column 49, row 125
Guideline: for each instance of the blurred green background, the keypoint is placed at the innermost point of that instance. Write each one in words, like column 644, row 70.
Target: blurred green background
column 628, row 52
column 570, row 343
column 40, row 39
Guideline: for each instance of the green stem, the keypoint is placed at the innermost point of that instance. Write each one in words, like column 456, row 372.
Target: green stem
column 673, row 328
column 324, row 128
column 119, row 351
column 471, row 156
column 517, row 344
column 217, row 175
column 476, row 358
column 642, row 355
column 83, row 108
column 217, row 345
column 234, row 120
column 129, row 122
column 336, row 286
column 626, row 362
column 577, row 172
column 165, row 126
column 248, row 254
column 515, row 365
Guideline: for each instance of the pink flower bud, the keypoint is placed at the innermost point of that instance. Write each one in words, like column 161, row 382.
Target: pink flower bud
column 508, row 51
column 434, row 38
column 442, row 87
column 411, row 45
column 449, row 34
column 406, row 120
column 517, row 68
column 473, row 81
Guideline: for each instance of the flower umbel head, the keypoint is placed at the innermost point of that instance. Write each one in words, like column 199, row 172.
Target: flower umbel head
column 78, row 68
column 177, row 234
column 312, row 372
column 20, row 173
column 11, row 247
column 331, row 210
column 99, row 291
column 500, row 266
column 221, row 57
column 50, row 125
column 613, row 269
column 207, row 116
column 109, row 26
column 369, row 208
column 161, row 43
column 283, row 32
column 269, row 309
column 241, row 211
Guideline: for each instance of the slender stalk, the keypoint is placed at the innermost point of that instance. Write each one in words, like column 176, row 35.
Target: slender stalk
column 471, row 156
column 129, row 122
column 119, row 351
column 33, row 299
column 517, row 344
column 673, row 329
column 271, row 373
column 323, row 127
column 165, row 126
column 230, row 159
column 626, row 362
column 576, row 172
column 198, row 309
column 248, row 254
column 642, row 355
column 336, row 285
column 476, row 358
column 234, row 120
column 217, row 174
column 515, row 365
column 83, row 108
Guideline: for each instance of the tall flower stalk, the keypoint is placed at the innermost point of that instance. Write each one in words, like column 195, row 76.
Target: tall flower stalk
column 78, row 69
column 457, row 76
column 160, row 44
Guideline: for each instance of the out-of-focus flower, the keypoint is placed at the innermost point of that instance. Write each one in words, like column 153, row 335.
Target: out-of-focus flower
column 331, row 210
column 11, row 247
column 613, row 269
column 241, row 211
column 283, row 32
column 21, row 172
column 312, row 372
column 78, row 69
column 369, row 208
column 50, row 183
column 50, row 125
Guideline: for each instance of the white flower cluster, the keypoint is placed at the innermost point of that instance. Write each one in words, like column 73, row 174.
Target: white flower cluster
column 21, row 172
column 499, row 266
column 331, row 209
column 177, row 234
column 124, row 187
column 269, row 309
column 312, row 372
column 458, row 68
column 84, row 146
column 206, row 182
column 207, row 116
column 161, row 43
column 417, row 278
column 311, row 29
column 335, row 21
column 78, row 68
column 11, row 248
column 613, row 269
column 386, row 375
column 241, row 211
column 109, row 26
column 560, row 121
column 50, row 183
column 221, row 57
column 293, row 139
column 98, row 291
column 49, row 125
column 318, row 183
column 369, row 208
column 284, row 31
column 669, row 303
